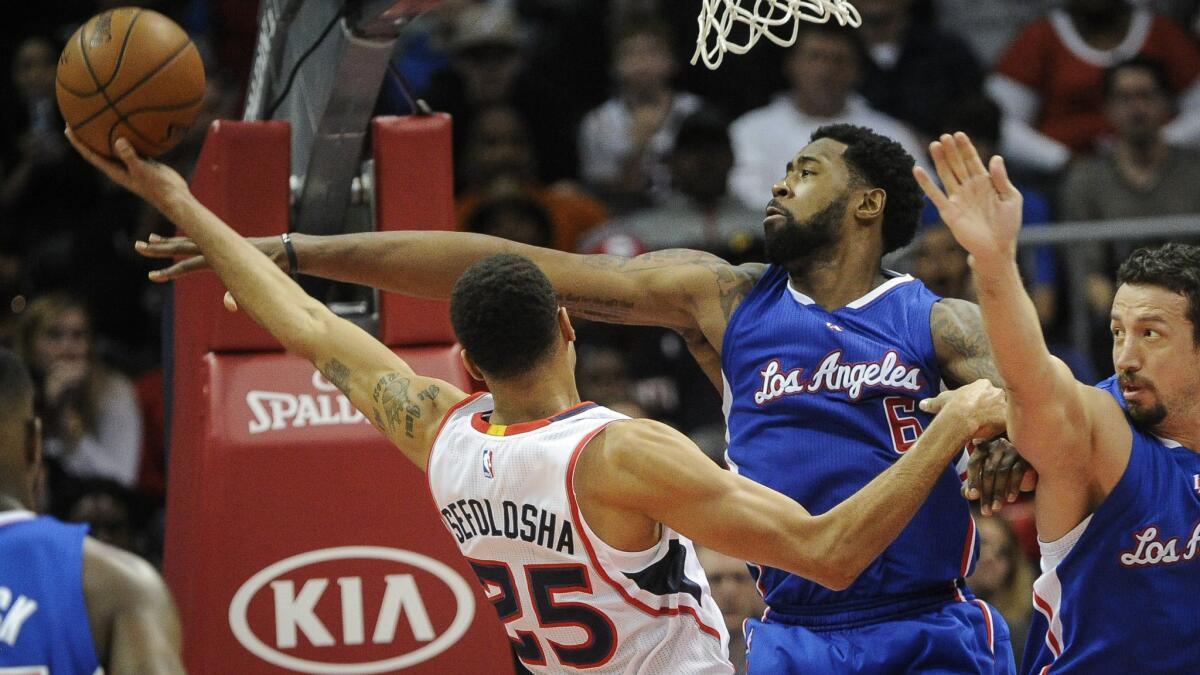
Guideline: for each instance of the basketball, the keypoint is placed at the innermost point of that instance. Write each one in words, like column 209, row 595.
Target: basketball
column 133, row 73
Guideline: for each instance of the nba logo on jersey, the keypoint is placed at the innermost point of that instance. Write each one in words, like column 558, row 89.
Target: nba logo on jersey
column 487, row 463
column 1196, row 483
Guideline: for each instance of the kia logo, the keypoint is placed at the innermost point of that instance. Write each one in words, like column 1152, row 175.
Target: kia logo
column 402, row 588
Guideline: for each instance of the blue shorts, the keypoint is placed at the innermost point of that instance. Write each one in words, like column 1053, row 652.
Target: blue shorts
column 956, row 637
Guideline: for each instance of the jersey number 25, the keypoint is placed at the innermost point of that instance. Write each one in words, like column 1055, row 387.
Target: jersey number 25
column 544, row 583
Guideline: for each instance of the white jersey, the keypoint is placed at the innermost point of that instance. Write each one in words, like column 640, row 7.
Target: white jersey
column 568, row 600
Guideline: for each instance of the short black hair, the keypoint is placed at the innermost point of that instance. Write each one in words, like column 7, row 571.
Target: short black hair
column 703, row 129
column 834, row 30
column 488, row 216
column 1140, row 62
column 1175, row 267
column 977, row 116
column 505, row 314
column 881, row 162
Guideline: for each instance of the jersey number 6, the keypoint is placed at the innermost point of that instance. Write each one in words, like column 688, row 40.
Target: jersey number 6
column 903, row 425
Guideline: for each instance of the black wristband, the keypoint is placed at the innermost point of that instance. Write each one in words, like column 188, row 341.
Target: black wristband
column 293, row 263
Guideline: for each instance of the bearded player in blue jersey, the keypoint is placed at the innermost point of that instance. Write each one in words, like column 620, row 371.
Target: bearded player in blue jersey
column 821, row 355
column 1118, row 501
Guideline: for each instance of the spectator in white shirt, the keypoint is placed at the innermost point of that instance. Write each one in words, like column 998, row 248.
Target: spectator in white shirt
column 624, row 143
column 822, row 70
column 93, row 423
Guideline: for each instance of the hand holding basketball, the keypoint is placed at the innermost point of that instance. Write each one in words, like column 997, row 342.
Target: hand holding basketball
column 979, row 204
column 132, row 73
column 156, row 183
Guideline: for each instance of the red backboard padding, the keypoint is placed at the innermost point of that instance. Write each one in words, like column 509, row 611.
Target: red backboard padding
column 301, row 492
column 414, row 190
column 298, row 538
column 242, row 177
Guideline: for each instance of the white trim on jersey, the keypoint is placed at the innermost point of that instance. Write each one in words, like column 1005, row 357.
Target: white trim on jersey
column 1047, row 600
column 1168, row 442
column 1047, row 588
column 879, row 290
column 865, row 300
column 10, row 517
column 987, row 620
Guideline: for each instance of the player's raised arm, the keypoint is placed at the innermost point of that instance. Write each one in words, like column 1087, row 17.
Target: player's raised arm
column 677, row 485
column 983, row 210
column 679, row 289
column 405, row 406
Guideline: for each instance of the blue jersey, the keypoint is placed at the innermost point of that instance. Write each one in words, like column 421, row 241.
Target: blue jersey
column 1118, row 593
column 44, row 623
column 819, row 403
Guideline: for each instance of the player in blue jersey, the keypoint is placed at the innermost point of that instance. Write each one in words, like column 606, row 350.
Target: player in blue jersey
column 1118, row 501
column 823, row 350
column 68, row 603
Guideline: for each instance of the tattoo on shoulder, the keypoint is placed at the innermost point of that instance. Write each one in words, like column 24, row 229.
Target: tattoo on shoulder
column 337, row 373
column 961, row 343
column 734, row 283
column 391, row 392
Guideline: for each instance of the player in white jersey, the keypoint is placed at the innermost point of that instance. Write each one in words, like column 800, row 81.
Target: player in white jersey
column 568, row 511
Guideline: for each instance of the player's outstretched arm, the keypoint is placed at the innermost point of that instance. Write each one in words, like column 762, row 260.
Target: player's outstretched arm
column 680, row 289
column 657, row 472
column 405, row 406
column 135, row 625
column 983, row 210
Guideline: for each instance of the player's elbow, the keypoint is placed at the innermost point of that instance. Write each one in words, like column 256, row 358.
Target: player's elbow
column 838, row 573
column 826, row 559
column 309, row 333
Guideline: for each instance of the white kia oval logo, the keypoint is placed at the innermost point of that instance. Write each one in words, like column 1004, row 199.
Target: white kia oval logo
column 296, row 611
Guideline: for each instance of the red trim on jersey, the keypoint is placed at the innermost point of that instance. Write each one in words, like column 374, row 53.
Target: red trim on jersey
column 587, row 544
column 969, row 547
column 987, row 619
column 484, row 426
column 429, row 458
column 1049, row 612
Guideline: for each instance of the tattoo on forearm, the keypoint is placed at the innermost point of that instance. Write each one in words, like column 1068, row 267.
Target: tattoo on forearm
column 337, row 373
column 611, row 310
column 732, row 282
column 391, row 392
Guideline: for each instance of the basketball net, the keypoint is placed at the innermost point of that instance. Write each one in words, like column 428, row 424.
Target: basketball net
column 765, row 18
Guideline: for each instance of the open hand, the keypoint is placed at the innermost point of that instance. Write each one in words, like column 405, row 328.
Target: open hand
column 182, row 247
column 980, row 205
column 154, row 182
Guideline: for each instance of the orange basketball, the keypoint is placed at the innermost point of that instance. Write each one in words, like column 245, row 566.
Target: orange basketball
column 130, row 72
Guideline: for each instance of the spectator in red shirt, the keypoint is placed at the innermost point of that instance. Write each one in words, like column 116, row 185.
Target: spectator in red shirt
column 1050, row 80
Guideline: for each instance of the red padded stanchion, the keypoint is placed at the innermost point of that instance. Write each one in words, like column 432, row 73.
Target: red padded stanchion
column 236, row 155
column 414, row 190
column 298, row 538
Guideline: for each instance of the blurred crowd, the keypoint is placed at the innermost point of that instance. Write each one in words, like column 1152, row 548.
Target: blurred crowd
column 579, row 124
